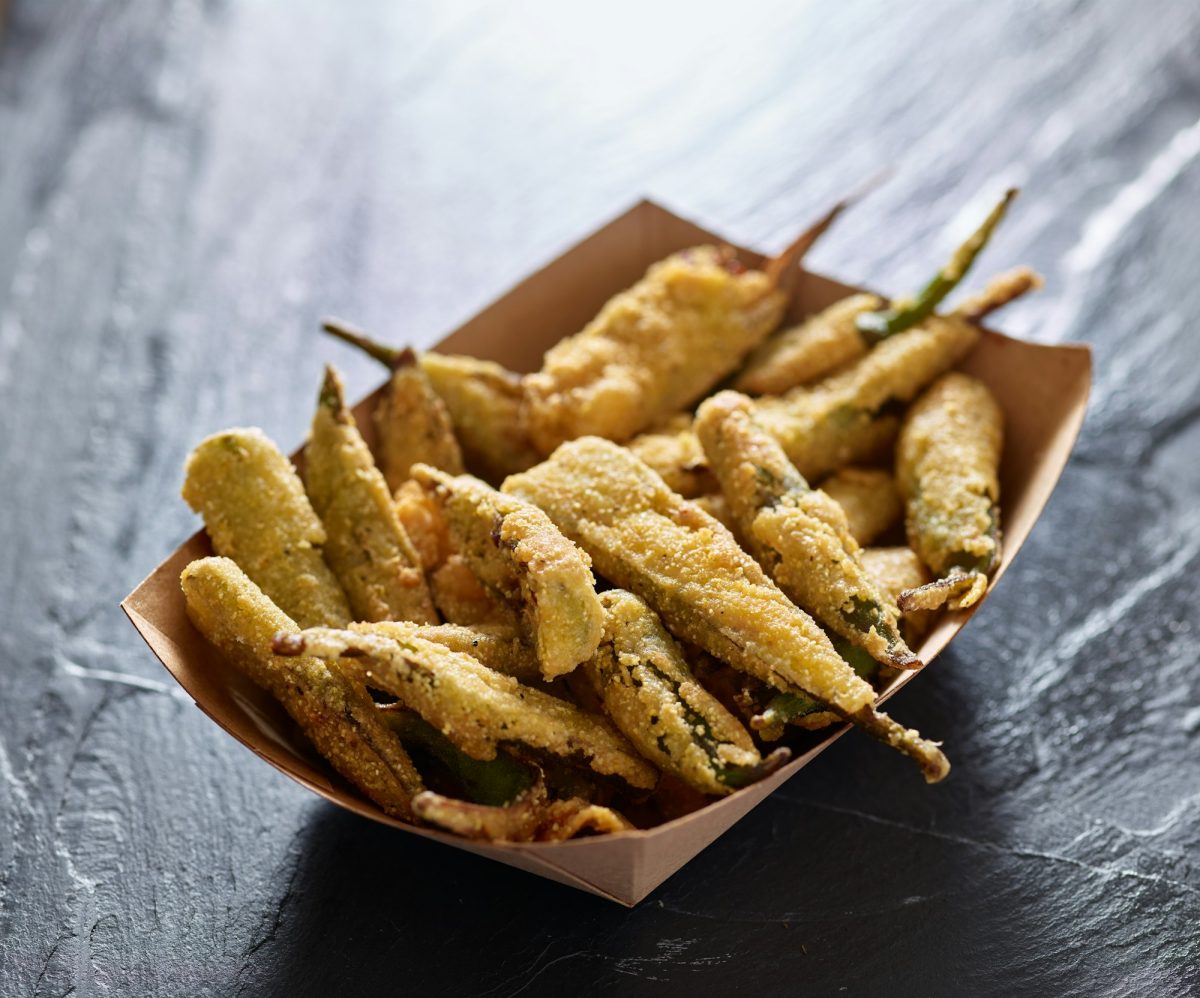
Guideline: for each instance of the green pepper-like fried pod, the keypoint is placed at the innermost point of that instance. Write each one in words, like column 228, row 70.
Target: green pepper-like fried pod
column 521, row 557
column 907, row 313
column 498, row 646
column 674, row 452
column 486, row 406
column 896, row 570
column 868, row 497
column 774, row 711
column 948, row 470
column 495, row 782
column 532, row 817
column 256, row 512
column 365, row 544
column 650, row 694
column 336, row 713
column 847, row 329
column 477, row 708
column 412, row 422
column 692, row 572
column 799, row 535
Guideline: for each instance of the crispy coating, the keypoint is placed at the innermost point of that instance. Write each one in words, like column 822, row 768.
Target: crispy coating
column 485, row 404
column 336, row 713
column 650, row 694
column 799, row 535
column 847, row 418
column 256, row 513
column 820, row 344
column 896, row 570
column 688, row 567
column 462, row 599
column 498, row 646
column 653, row 350
column 366, row 546
column 674, row 452
column 477, row 708
column 423, row 524
column 947, row 467
column 521, row 558
column 998, row 292
column 868, row 497
column 716, row 506
column 413, row 425
column 531, row 818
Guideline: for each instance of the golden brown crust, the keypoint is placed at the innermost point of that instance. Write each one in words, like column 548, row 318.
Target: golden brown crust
column 485, row 405
column 947, row 467
column 366, row 546
column 799, row 535
column 674, row 452
column 522, row 558
column 652, row 350
column 821, row 344
column 650, row 694
column 688, row 567
column 868, row 497
column 475, row 707
column 413, row 426
column 336, row 713
column 256, row 512
column 498, row 646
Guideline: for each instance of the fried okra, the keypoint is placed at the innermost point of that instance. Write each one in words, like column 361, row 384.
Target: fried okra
column 522, row 558
column 868, row 497
column 256, row 512
column 706, row 589
column 365, row 545
column 336, row 713
column 799, row 535
column 653, row 350
column 948, row 469
column 477, row 708
column 650, row 694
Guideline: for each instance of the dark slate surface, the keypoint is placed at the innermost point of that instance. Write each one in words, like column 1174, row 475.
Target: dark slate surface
column 185, row 186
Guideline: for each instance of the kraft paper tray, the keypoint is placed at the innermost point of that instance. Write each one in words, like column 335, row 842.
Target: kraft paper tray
column 1042, row 389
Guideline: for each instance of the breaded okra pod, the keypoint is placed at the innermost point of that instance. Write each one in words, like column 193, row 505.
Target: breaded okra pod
column 412, row 423
column 948, row 469
column 256, row 512
column 674, row 452
column 336, row 713
column 365, row 545
column 653, row 350
column 485, row 402
column 498, row 646
column 521, row 557
column 849, row 328
column 868, row 497
column 706, row 589
column 532, row 817
column 477, row 708
column 650, row 694
column 799, row 535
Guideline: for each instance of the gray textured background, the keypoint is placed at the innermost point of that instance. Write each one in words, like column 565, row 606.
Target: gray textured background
column 186, row 186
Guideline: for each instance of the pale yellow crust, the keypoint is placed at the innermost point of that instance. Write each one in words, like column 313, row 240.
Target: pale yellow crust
column 475, row 707
column 799, row 535
column 485, row 404
column 674, row 452
column 256, row 512
column 688, row 567
column 652, row 350
column 650, row 694
column 498, row 646
column 947, row 467
column 336, row 713
column 413, row 426
column 846, row 418
column 821, row 344
column 365, row 545
column 522, row 558
column 868, row 497
column 897, row 570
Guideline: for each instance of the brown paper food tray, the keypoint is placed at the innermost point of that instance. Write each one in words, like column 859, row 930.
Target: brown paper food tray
column 1042, row 389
